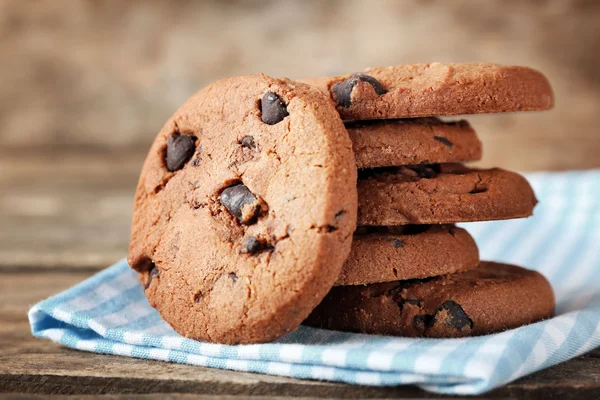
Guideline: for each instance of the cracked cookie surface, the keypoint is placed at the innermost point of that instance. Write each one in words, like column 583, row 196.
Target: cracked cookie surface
column 383, row 254
column 490, row 298
column 244, row 210
column 441, row 194
column 412, row 141
column 424, row 90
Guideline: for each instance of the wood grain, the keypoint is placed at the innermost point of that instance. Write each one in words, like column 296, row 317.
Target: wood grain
column 68, row 210
column 34, row 366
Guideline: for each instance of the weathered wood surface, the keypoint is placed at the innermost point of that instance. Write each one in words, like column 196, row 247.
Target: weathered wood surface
column 65, row 210
column 33, row 366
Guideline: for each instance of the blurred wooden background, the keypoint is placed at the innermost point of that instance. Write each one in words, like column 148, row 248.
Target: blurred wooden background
column 85, row 86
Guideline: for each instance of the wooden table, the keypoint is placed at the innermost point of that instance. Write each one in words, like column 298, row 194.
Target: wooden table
column 64, row 216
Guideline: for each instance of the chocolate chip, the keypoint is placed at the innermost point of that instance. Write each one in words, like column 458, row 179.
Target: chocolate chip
column 398, row 243
column 330, row 228
column 343, row 90
column 179, row 149
column 233, row 277
column 248, row 142
column 443, row 140
column 423, row 321
column 457, row 317
column 251, row 246
column 197, row 297
column 273, row 109
column 153, row 272
column 240, row 202
column 142, row 263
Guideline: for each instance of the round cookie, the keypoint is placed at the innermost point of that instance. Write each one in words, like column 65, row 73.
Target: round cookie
column 412, row 141
column 441, row 194
column 245, row 210
column 383, row 254
column 491, row 298
column 423, row 90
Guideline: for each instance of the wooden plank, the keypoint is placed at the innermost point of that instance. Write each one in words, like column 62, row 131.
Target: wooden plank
column 38, row 366
column 66, row 211
column 20, row 290
column 156, row 396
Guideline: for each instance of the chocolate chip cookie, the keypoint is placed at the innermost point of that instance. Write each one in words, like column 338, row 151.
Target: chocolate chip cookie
column 245, row 210
column 423, row 90
column 491, row 298
column 387, row 143
column 383, row 254
column 440, row 194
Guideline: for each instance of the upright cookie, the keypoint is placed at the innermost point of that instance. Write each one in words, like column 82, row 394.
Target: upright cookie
column 383, row 254
column 441, row 194
column 423, row 90
column 388, row 143
column 245, row 210
column 491, row 298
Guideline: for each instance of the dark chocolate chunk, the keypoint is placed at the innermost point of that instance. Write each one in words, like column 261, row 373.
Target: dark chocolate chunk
column 180, row 148
column 457, row 317
column 197, row 297
column 398, row 243
column 142, row 264
column 424, row 321
column 248, row 142
column 343, row 90
column 251, row 246
column 233, row 277
column 240, row 201
column 444, row 141
column 153, row 272
column 273, row 109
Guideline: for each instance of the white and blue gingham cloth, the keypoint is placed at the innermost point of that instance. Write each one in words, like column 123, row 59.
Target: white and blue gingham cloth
column 108, row 313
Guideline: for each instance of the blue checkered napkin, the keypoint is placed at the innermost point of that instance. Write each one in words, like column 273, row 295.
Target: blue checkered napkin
column 108, row 313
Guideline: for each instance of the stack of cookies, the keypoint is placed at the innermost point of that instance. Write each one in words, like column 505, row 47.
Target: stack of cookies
column 411, row 272
column 249, row 220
